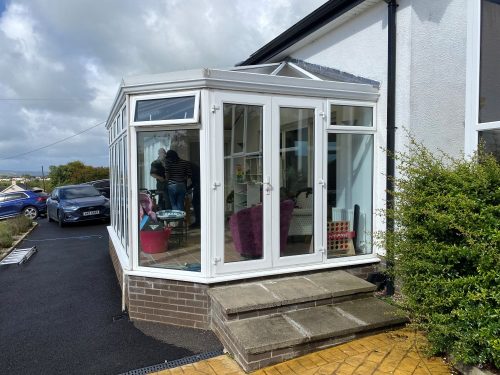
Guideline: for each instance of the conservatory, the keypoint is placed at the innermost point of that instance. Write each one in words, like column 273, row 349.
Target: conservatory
column 221, row 175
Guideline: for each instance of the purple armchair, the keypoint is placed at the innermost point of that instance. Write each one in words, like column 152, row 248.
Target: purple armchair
column 246, row 229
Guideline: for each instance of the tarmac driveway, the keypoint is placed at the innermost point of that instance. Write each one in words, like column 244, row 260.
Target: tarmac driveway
column 56, row 311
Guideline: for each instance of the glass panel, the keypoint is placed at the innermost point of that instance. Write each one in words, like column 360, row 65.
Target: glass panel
column 243, row 218
column 489, row 84
column 347, row 115
column 165, row 109
column 296, row 181
column 169, row 199
column 124, row 117
column 491, row 140
column 350, row 189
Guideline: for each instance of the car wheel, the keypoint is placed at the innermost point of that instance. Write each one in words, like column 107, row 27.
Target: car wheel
column 60, row 217
column 30, row 212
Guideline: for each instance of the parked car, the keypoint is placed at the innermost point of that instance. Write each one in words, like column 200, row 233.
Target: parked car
column 29, row 203
column 74, row 203
column 102, row 186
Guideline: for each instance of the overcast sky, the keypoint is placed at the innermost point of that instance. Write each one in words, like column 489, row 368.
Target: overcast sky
column 61, row 62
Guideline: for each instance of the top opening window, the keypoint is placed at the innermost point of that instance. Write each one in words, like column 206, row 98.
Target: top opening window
column 349, row 115
column 166, row 109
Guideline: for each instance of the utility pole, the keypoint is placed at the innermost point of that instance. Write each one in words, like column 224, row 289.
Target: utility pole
column 43, row 179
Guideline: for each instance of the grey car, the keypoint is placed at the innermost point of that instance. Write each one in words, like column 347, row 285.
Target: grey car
column 75, row 203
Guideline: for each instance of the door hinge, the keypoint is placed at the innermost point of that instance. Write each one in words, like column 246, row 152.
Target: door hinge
column 214, row 108
column 322, row 115
column 215, row 185
column 215, row 261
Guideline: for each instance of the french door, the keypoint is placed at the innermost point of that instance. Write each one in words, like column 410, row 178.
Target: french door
column 266, row 162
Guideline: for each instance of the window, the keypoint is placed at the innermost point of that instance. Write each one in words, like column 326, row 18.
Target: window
column 348, row 115
column 166, row 109
column 489, row 81
column 491, row 141
column 169, row 199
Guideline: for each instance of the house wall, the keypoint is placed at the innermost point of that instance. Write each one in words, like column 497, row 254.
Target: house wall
column 431, row 64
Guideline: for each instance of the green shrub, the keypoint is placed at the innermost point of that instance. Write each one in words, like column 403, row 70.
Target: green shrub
column 19, row 224
column 446, row 249
column 5, row 238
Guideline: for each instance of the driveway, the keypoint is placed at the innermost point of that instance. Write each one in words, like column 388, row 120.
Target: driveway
column 56, row 311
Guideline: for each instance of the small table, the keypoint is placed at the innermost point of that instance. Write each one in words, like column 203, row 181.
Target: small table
column 174, row 216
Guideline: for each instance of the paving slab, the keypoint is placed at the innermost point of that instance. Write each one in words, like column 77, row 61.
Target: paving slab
column 296, row 290
column 371, row 311
column 323, row 322
column 262, row 334
column 341, row 283
column 244, row 297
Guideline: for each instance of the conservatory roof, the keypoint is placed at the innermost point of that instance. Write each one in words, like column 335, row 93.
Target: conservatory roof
column 289, row 77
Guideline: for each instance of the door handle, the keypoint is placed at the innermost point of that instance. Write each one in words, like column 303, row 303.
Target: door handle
column 267, row 185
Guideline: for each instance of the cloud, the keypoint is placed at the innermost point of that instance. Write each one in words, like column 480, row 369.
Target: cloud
column 63, row 61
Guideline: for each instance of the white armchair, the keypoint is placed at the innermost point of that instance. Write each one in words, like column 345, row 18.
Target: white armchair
column 302, row 216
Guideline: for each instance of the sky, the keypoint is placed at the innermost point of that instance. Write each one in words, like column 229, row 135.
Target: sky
column 61, row 63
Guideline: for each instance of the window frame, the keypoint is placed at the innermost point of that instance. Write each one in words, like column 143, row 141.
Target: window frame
column 472, row 92
column 196, row 110
column 349, row 128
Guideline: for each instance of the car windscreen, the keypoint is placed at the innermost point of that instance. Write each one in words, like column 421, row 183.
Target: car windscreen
column 79, row 192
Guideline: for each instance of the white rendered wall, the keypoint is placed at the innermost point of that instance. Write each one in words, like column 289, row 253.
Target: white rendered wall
column 431, row 64
column 438, row 69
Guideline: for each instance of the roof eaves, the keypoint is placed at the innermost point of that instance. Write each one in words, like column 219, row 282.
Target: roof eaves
column 314, row 21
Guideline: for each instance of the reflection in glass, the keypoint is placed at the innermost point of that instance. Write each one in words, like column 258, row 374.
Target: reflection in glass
column 346, row 115
column 168, row 237
column 165, row 109
column 489, row 83
column 349, row 202
column 491, row 141
column 296, row 181
column 243, row 233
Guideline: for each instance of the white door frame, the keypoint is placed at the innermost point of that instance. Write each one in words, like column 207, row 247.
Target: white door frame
column 217, row 217
column 318, row 181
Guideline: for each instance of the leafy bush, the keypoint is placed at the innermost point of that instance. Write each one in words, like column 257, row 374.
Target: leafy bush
column 5, row 238
column 19, row 224
column 446, row 248
column 13, row 227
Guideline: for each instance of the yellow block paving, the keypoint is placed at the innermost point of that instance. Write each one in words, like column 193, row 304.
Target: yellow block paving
column 396, row 352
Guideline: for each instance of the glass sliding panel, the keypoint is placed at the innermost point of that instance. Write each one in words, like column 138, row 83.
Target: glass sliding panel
column 347, row 115
column 491, row 141
column 349, row 197
column 243, row 231
column 489, row 82
column 296, row 181
column 169, row 199
column 165, row 109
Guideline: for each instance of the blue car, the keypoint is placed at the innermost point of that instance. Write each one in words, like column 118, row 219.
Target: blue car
column 75, row 203
column 29, row 203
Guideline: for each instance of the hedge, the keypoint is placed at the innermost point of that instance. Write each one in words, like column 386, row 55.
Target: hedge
column 446, row 251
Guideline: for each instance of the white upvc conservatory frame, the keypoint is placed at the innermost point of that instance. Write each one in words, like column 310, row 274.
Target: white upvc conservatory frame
column 207, row 83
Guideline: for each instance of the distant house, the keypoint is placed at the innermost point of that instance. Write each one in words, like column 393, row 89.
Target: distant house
column 19, row 186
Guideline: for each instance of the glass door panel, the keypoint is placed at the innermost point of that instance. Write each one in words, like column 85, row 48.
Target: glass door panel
column 243, row 183
column 349, row 194
column 296, row 181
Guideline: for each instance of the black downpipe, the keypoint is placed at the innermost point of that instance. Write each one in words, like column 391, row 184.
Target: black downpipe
column 391, row 126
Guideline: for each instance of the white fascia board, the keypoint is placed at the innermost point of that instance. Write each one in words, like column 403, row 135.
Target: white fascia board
column 252, row 82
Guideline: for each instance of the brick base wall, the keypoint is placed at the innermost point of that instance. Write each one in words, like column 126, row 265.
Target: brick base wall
column 169, row 301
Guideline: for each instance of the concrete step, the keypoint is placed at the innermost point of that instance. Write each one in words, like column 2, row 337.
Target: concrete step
column 261, row 341
column 247, row 300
